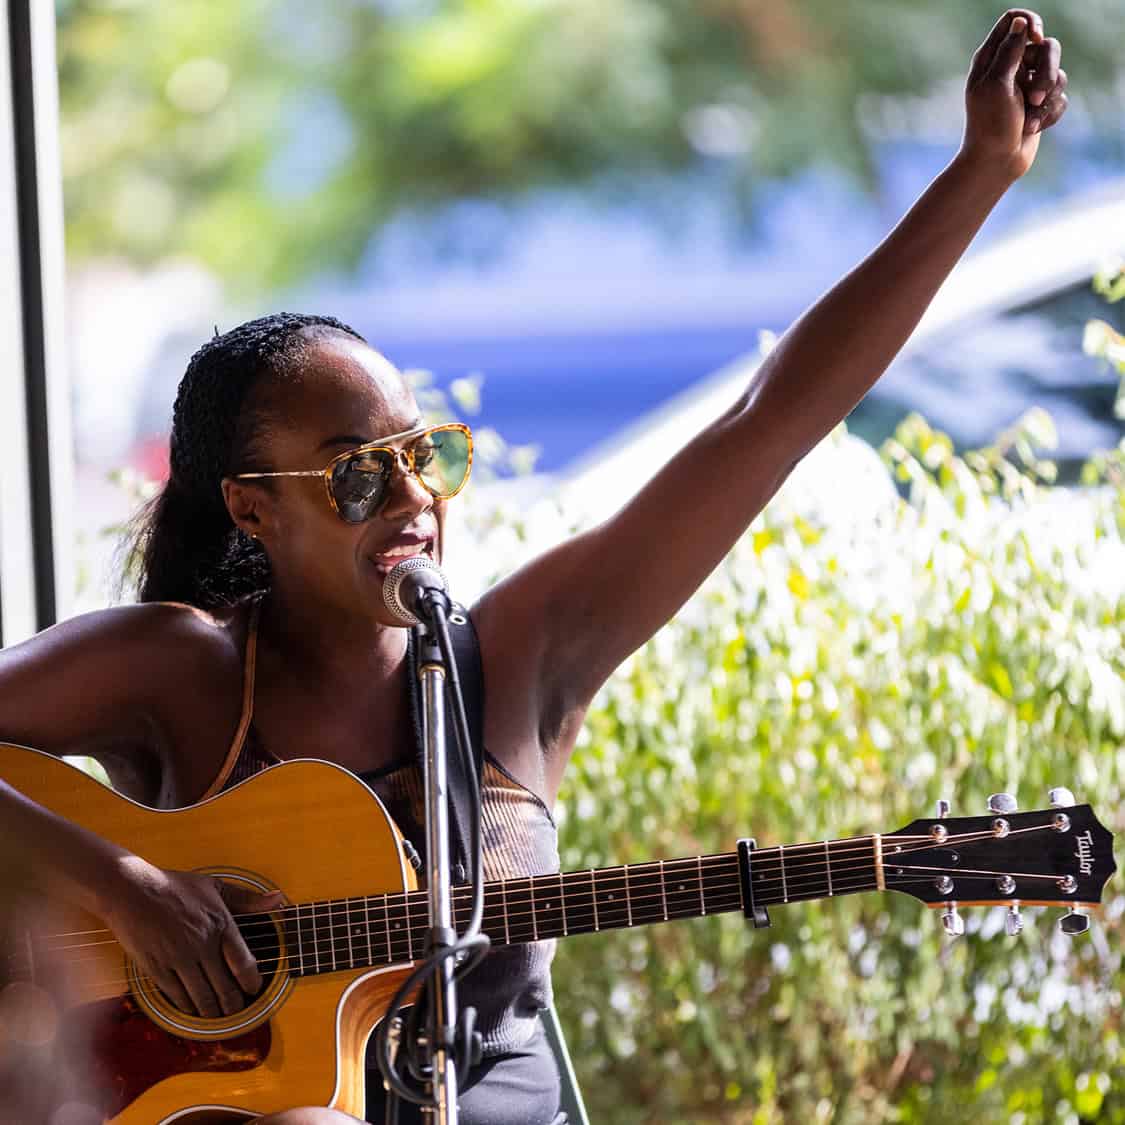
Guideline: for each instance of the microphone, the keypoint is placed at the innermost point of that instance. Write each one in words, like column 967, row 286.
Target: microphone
column 411, row 585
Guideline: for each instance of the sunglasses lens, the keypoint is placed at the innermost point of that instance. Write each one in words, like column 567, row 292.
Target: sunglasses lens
column 441, row 459
column 359, row 484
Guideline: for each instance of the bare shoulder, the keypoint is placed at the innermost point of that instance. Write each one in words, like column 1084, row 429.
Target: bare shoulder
column 121, row 641
column 150, row 690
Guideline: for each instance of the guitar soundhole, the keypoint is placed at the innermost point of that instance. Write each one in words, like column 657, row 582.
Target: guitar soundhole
column 259, row 931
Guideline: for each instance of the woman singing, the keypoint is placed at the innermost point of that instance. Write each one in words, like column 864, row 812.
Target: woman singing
column 261, row 633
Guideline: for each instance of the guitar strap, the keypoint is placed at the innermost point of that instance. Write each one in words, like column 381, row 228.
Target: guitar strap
column 466, row 651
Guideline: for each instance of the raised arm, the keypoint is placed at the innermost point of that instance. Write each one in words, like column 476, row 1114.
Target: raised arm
column 579, row 610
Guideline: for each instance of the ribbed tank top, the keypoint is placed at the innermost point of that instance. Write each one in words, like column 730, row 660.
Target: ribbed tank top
column 519, row 839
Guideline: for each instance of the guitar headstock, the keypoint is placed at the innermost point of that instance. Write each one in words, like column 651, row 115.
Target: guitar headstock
column 1061, row 856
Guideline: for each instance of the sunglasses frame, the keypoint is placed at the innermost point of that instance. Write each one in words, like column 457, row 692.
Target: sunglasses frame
column 406, row 455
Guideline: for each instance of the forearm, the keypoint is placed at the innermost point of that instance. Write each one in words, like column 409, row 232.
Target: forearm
column 834, row 353
column 54, row 856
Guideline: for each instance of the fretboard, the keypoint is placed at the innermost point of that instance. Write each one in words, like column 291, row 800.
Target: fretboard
column 351, row 933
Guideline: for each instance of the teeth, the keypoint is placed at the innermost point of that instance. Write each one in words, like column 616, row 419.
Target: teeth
column 401, row 552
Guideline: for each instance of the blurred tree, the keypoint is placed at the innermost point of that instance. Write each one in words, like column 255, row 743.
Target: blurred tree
column 196, row 127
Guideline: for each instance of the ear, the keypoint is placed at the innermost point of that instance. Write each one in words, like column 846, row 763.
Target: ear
column 248, row 505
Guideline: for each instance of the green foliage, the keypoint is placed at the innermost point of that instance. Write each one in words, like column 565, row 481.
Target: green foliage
column 832, row 679
column 270, row 139
column 1102, row 340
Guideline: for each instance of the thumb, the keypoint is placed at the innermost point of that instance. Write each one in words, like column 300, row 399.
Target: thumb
column 245, row 901
column 1009, row 54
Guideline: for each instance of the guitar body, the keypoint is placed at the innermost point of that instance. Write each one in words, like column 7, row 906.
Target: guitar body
column 307, row 828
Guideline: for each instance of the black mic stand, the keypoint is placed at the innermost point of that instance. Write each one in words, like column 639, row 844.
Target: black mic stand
column 441, row 1024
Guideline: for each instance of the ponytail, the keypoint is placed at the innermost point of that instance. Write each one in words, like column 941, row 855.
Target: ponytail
column 183, row 545
column 192, row 552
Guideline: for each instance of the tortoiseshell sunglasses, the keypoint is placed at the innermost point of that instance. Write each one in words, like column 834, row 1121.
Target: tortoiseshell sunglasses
column 356, row 480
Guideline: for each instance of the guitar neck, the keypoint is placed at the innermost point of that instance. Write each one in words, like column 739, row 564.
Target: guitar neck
column 387, row 929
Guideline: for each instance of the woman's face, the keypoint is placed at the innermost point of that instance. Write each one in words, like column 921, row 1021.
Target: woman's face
column 343, row 395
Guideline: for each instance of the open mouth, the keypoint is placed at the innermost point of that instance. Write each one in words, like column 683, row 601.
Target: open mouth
column 394, row 553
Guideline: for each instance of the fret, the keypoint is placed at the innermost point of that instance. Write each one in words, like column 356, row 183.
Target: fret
column 387, row 928
column 784, row 886
column 699, row 875
column 371, row 958
column 663, row 891
column 828, row 867
column 578, row 902
column 683, row 888
column 296, row 920
column 609, row 894
column 348, row 929
column 594, row 900
column 521, row 914
column 316, row 922
column 647, row 894
column 490, row 916
column 534, row 916
column 356, row 931
column 548, row 907
column 504, row 899
column 722, row 884
column 412, row 901
column 333, row 923
column 402, row 944
column 562, row 904
column 628, row 898
column 307, row 920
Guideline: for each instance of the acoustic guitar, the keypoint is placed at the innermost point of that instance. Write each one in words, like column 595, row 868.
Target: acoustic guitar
column 353, row 921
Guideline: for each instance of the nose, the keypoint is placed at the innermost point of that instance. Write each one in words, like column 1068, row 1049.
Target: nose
column 406, row 495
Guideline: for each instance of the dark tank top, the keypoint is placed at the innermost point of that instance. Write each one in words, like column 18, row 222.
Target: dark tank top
column 519, row 839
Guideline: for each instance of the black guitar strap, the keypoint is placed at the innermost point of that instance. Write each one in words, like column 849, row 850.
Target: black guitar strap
column 466, row 651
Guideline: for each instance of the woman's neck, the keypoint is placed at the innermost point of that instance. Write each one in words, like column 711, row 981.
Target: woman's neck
column 327, row 643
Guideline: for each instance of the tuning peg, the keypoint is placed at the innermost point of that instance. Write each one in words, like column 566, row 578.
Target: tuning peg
column 1013, row 922
column 1061, row 798
column 952, row 922
column 1073, row 924
column 941, row 810
column 1002, row 803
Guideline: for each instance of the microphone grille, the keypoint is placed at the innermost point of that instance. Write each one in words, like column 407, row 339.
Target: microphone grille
column 392, row 585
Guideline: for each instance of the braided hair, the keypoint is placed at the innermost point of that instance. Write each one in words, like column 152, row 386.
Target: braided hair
column 184, row 544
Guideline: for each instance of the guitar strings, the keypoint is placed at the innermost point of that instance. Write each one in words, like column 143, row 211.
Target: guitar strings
column 664, row 869
column 602, row 879
column 405, row 937
column 730, row 900
column 792, row 872
column 762, row 857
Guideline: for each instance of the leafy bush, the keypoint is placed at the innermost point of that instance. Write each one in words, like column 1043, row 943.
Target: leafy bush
column 833, row 679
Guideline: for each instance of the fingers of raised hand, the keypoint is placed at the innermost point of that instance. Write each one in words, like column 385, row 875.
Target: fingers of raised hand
column 1009, row 54
column 1002, row 36
column 1039, row 71
column 1045, row 115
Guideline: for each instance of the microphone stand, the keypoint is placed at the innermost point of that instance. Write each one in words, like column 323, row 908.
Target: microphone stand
column 442, row 1016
